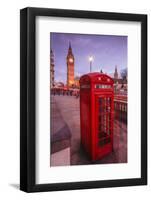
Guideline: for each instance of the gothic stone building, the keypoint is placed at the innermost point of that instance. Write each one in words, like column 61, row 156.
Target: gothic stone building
column 52, row 68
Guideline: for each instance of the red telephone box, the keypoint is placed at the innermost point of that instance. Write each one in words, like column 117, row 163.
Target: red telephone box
column 96, row 114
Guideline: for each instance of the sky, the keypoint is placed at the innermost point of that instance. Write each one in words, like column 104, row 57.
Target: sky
column 108, row 51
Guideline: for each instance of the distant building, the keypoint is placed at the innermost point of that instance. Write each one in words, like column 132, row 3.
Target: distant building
column 76, row 82
column 52, row 65
column 59, row 84
column 70, row 67
column 120, row 84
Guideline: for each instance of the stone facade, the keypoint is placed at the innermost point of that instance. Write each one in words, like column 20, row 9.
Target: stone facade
column 52, row 65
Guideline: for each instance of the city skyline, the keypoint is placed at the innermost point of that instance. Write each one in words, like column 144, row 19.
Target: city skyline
column 108, row 51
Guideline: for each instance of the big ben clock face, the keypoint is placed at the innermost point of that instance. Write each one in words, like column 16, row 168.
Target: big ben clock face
column 71, row 60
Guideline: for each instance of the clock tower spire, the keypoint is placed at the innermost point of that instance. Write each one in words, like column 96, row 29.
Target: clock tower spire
column 70, row 67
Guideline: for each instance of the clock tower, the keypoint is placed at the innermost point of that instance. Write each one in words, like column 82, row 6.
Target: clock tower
column 116, row 73
column 70, row 67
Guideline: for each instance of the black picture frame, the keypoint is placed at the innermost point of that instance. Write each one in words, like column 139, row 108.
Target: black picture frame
column 28, row 99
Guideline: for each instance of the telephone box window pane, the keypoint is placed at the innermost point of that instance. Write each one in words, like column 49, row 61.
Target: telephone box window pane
column 101, row 143
column 102, row 134
column 104, row 121
column 104, row 141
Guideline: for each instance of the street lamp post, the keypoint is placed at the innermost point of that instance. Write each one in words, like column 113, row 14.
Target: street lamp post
column 90, row 60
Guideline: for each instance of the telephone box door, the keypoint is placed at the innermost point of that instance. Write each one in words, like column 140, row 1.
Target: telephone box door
column 104, row 125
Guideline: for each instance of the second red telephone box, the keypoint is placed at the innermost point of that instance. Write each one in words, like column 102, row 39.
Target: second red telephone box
column 96, row 114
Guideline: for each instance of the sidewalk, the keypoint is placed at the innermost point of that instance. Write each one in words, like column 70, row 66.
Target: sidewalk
column 60, row 137
column 68, row 106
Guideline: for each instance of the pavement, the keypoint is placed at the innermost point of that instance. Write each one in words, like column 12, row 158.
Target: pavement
column 65, row 118
column 60, row 137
